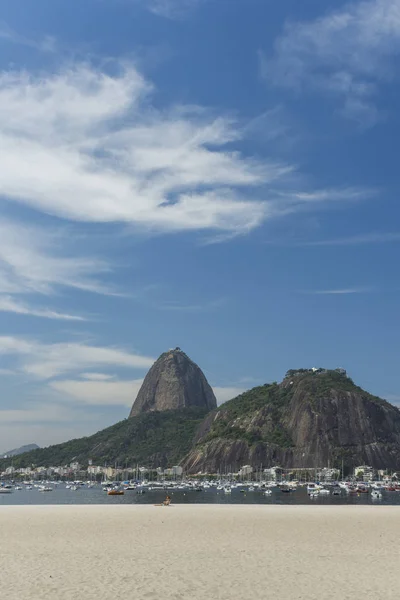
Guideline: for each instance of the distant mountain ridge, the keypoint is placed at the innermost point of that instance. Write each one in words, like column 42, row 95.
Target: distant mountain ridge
column 21, row 450
column 313, row 418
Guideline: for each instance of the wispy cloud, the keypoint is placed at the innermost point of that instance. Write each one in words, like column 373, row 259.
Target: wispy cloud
column 45, row 361
column 109, row 393
column 345, row 53
column 9, row 304
column 89, row 146
column 32, row 260
column 170, row 9
column 119, row 393
column 366, row 238
column 201, row 307
column 46, row 44
column 341, row 291
column 96, row 376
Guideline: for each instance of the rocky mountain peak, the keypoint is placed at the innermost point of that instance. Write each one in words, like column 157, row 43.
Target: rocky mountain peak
column 173, row 382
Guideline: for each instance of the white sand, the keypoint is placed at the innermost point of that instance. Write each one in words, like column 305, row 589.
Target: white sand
column 199, row 552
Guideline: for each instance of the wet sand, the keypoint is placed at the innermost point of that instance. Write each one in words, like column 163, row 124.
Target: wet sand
column 199, row 552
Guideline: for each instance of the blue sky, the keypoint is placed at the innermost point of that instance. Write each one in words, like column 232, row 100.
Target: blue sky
column 219, row 175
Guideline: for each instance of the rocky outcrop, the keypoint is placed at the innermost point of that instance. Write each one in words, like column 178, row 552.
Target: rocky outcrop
column 309, row 420
column 173, row 382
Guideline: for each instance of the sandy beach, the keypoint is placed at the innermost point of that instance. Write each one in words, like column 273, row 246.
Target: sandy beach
column 199, row 552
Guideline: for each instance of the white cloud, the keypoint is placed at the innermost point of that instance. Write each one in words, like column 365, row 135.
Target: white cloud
column 170, row 9
column 120, row 393
column 345, row 53
column 46, row 44
column 45, row 361
column 96, row 376
column 8, row 304
column 223, row 394
column 341, row 291
column 355, row 240
column 88, row 146
column 37, row 413
column 7, row 372
column 31, row 260
column 109, row 393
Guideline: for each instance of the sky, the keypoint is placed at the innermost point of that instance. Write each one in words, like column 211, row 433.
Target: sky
column 218, row 175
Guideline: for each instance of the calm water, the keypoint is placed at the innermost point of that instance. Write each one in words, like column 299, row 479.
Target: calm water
column 61, row 495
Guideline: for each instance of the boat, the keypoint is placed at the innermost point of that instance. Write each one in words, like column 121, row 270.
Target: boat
column 268, row 493
column 312, row 487
column 376, row 495
column 324, row 491
column 45, row 489
column 251, row 488
column 115, row 493
column 4, row 490
column 228, row 490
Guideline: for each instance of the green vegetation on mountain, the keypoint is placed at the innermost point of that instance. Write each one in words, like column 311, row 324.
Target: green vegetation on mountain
column 314, row 418
column 152, row 439
column 236, row 418
column 311, row 419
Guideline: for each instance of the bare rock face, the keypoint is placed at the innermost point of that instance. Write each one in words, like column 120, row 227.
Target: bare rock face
column 310, row 420
column 173, row 382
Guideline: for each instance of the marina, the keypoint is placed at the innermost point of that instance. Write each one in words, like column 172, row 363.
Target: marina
column 200, row 492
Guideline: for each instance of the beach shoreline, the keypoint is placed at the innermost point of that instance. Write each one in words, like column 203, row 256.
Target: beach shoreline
column 199, row 551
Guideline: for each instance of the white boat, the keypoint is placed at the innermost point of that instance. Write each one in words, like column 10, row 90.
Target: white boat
column 312, row 487
column 45, row 489
column 324, row 491
column 268, row 493
column 227, row 490
column 376, row 495
column 4, row 490
column 251, row 488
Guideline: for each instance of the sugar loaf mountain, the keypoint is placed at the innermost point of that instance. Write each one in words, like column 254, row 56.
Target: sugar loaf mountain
column 313, row 418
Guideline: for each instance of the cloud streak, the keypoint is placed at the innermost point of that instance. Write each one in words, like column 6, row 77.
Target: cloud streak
column 31, row 261
column 86, row 145
column 8, row 304
column 46, row 44
column 46, row 361
column 340, row 291
column 356, row 240
column 346, row 54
